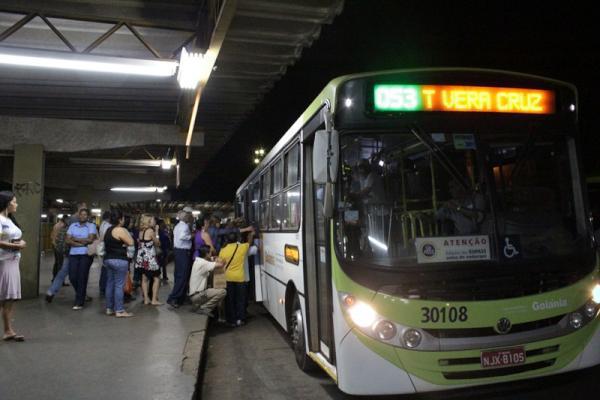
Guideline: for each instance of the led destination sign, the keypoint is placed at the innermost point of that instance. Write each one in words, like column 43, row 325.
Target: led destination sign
column 388, row 97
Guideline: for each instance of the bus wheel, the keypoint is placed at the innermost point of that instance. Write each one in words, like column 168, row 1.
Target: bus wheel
column 297, row 336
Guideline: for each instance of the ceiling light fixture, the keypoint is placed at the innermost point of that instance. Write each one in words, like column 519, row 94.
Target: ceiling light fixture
column 192, row 67
column 91, row 63
column 145, row 189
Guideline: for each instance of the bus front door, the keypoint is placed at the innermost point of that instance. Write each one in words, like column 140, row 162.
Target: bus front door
column 318, row 276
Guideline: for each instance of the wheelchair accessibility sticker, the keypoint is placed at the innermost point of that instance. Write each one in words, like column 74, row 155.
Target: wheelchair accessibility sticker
column 511, row 247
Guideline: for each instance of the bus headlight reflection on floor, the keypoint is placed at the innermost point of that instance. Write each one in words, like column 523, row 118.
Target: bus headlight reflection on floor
column 362, row 314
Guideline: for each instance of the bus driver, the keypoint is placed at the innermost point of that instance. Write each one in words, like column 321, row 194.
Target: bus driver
column 464, row 211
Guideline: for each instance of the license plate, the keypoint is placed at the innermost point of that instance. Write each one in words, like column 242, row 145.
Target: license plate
column 503, row 357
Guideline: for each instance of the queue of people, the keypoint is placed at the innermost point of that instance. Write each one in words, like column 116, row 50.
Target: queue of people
column 122, row 242
column 141, row 247
column 196, row 257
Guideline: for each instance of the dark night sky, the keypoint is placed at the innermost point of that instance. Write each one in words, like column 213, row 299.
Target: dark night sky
column 561, row 42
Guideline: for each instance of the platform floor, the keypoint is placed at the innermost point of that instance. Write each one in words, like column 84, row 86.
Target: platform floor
column 88, row 355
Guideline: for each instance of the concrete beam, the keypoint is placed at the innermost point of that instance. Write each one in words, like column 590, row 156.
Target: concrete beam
column 68, row 135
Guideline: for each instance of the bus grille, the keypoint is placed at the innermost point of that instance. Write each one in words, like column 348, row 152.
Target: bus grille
column 481, row 287
column 489, row 331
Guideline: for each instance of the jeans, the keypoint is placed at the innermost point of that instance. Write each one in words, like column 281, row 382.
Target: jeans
column 103, row 277
column 79, row 271
column 116, row 273
column 182, row 275
column 59, row 279
column 235, row 302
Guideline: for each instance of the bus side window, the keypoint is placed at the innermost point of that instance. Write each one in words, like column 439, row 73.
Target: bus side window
column 292, row 161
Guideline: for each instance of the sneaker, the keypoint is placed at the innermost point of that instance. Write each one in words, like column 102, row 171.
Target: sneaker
column 49, row 298
column 109, row 312
column 239, row 322
column 77, row 307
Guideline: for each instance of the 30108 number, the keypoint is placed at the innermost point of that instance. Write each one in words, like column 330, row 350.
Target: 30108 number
column 444, row 314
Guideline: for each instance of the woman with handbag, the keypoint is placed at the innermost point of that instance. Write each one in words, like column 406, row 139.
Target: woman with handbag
column 146, row 259
column 116, row 240
column 11, row 245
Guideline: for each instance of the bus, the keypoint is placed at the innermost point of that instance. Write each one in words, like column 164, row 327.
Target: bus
column 427, row 229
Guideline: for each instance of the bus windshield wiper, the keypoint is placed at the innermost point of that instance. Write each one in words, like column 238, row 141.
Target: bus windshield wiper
column 440, row 156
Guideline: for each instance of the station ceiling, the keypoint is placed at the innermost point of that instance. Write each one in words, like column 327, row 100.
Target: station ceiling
column 257, row 40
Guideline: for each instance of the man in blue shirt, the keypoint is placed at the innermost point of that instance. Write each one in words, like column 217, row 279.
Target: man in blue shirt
column 79, row 236
column 182, row 244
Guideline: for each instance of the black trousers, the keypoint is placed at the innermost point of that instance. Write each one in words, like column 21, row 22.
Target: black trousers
column 59, row 257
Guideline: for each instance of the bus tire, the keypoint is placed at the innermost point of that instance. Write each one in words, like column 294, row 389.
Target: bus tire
column 305, row 363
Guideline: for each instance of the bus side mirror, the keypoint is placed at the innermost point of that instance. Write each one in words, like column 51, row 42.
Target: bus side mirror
column 325, row 157
column 319, row 157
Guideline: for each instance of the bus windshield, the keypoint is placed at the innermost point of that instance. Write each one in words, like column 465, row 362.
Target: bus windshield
column 406, row 199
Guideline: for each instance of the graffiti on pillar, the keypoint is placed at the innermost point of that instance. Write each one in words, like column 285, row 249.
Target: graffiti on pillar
column 27, row 188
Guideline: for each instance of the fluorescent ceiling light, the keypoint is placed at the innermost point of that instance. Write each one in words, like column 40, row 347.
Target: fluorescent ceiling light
column 146, row 189
column 195, row 212
column 166, row 164
column 192, row 67
column 86, row 62
column 60, row 201
column 44, row 216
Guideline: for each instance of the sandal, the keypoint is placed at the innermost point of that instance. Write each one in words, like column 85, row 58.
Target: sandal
column 124, row 314
column 16, row 338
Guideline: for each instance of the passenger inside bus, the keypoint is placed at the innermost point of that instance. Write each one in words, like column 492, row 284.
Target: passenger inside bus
column 463, row 213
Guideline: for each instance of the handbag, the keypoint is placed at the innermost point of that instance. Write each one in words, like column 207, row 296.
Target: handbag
column 100, row 249
column 92, row 248
column 218, row 278
column 128, row 286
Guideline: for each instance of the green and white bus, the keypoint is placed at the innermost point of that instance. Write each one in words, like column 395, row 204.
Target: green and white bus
column 427, row 229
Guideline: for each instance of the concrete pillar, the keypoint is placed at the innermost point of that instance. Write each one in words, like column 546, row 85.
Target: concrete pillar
column 28, row 186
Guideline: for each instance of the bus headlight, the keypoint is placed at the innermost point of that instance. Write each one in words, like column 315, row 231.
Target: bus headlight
column 589, row 309
column 412, row 338
column 362, row 314
column 365, row 319
column 385, row 329
column 576, row 320
column 596, row 294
